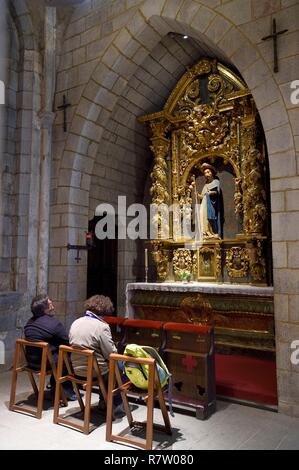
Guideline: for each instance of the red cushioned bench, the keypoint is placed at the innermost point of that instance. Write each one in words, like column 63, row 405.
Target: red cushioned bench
column 116, row 327
column 143, row 332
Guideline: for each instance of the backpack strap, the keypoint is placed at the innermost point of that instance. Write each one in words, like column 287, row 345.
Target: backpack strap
column 158, row 358
column 169, row 395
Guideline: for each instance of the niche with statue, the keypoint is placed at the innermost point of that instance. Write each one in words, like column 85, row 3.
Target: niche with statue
column 210, row 166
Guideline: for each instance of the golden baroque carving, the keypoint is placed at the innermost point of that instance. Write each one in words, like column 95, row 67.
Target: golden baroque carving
column 198, row 310
column 182, row 261
column 205, row 129
column 190, row 98
column 159, row 128
column 254, row 194
column 238, row 197
column 160, row 148
column 218, row 262
column 257, row 263
column 218, row 88
column 160, row 257
column 204, row 66
column 158, row 190
column 237, row 262
column 195, row 264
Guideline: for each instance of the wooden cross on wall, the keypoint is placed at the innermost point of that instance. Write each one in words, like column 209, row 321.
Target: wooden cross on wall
column 64, row 106
column 274, row 36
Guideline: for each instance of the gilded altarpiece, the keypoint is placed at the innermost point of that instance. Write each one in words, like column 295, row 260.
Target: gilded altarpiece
column 210, row 117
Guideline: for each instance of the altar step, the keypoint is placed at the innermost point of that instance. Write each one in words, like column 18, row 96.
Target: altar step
column 244, row 378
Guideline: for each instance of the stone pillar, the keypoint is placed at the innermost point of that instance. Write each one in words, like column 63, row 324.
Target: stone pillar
column 4, row 74
column 47, row 119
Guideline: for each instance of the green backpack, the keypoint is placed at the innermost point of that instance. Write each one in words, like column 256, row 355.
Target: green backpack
column 138, row 373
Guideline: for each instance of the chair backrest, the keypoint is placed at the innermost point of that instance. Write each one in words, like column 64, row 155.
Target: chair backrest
column 80, row 361
column 149, row 362
column 22, row 348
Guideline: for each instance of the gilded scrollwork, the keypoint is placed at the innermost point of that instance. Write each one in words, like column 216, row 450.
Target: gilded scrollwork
column 158, row 190
column 197, row 309
column 182, row 261
column 238, row 197
column 195, row 264
column 257, row 264
column 159, row 128
column 218, row 261
column 205, row 129
column 218, row 87
column 160, row 257
column 254, row 194
column 237, row 262
column 190, row 98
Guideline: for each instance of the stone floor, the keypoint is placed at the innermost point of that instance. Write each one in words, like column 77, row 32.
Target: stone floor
column 233, row 426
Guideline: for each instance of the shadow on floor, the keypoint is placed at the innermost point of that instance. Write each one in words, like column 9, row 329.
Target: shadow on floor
column 161, row 440
column 30, row 401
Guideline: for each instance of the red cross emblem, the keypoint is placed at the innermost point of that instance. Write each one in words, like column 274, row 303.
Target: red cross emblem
column 189, row 362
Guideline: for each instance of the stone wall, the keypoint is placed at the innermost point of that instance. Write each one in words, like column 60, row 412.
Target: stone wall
column 118, row 62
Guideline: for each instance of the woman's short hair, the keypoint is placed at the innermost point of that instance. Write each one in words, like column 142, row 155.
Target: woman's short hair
column 99, row 304
column 39, row 304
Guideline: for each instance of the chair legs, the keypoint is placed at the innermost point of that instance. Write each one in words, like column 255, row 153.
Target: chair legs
column 14, row 379
column 39, row 390
column 154, row 390
column 92, row 366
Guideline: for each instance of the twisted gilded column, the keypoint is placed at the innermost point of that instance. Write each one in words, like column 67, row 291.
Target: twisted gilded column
column 160, row 196
column 159, row 193
column 254, row 200
column 253, row 187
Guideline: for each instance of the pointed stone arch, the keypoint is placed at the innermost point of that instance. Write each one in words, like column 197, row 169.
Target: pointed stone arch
column 150, row 22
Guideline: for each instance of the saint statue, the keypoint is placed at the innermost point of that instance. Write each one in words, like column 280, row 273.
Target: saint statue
column 209, row 205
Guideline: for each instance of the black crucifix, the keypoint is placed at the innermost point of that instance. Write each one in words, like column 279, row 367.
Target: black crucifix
column 274, row 36
column 64, row 106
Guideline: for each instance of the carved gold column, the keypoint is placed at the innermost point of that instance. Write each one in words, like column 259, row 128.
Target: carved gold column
column 254, row 199
column 159, row 193
column 160, row 257
column 253, row 186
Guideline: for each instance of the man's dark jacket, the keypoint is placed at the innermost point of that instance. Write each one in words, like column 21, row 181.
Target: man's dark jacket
column 44, row 328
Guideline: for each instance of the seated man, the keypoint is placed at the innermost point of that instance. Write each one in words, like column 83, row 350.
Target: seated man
column 92, row 332
column 43, row 326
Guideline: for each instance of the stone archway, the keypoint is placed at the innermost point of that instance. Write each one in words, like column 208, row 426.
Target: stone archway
column 148, row 25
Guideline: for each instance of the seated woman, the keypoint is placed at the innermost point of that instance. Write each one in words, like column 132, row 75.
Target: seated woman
column 92, row 332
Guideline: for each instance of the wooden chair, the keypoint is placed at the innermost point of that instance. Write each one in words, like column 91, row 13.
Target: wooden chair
column 93, row 377
column 47, row 367
column 154, row 392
